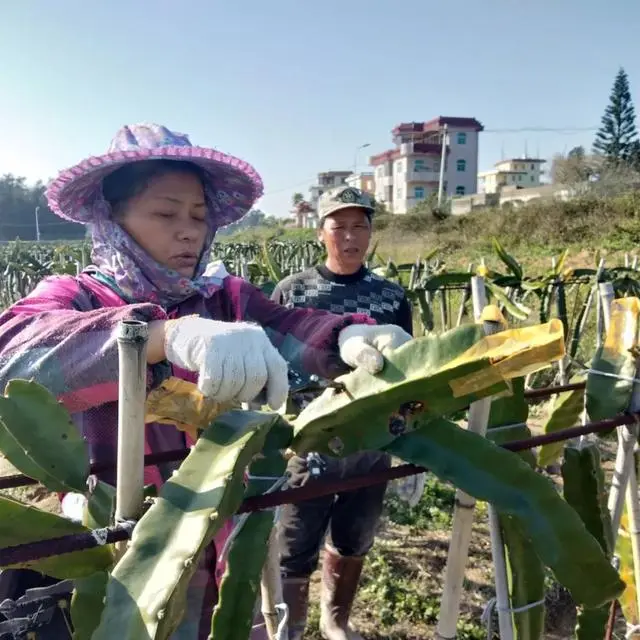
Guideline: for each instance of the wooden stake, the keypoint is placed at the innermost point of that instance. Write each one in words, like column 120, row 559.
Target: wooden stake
column 463, row 522
column 271, row 590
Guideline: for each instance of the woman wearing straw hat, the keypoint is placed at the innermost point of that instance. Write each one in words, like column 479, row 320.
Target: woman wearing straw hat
column 153, row 204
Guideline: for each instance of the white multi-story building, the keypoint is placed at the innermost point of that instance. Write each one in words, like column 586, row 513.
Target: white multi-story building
column 326, row 180
column 522, row 173
column 409, row 173
column 364, row 181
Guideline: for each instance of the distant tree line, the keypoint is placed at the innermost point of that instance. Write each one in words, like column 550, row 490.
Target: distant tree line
column 18, row 205
column 254, row 218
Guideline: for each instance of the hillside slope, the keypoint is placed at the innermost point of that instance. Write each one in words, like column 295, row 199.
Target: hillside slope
column 532, row 233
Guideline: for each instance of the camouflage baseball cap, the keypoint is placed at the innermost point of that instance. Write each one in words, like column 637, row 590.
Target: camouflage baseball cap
column 343, row 198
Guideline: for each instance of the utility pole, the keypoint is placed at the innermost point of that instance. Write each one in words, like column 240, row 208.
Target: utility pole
column 355, row 157
column 37, row 225
column 443, row 157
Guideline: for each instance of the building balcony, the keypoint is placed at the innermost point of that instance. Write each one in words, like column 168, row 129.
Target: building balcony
column 421, row 148
column 421, row 176
column 431, row 148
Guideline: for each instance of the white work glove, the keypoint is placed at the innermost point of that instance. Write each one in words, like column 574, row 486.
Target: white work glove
column 234, row 360
column 363, row 345
column 72, row 506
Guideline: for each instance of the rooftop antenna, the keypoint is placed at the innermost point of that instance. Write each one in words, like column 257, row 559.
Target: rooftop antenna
column 526, row 151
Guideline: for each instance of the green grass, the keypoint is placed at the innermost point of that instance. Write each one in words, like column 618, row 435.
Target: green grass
column 532, row 233
column 434, row 511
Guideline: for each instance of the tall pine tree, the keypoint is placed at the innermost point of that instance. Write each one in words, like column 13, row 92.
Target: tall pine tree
column 617, row 138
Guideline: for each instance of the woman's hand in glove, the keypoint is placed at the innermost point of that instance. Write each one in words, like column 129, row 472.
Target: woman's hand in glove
column 363, row 345
column 233, row 360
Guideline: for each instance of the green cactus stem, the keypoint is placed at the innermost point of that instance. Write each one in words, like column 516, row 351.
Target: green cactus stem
column 87, row 602
column 608, row 395
column 38, row 437
column 234, row 613
column 584, row 489
column 21, row 523
column 565, row 412
column 146, row 593
column 497, row 476
column 434, row 375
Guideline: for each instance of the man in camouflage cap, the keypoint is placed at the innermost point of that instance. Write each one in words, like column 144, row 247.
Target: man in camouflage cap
column 342, row 285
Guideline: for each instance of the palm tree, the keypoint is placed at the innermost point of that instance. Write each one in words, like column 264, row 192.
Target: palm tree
column 301, row 209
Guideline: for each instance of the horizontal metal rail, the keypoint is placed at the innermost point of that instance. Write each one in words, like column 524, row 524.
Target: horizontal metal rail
column 32, row 551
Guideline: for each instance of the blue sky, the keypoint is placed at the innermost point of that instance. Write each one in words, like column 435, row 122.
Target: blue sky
column 294, row 86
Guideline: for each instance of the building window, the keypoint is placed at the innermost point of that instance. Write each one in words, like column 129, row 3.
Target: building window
column 460, row 190
column 533, row 167
column 399, row 167
column 399, row 193
column 533, row 179
column 418, row 193
column 520, row 178
column 462, row 138
column 461, row 165
column 419, row 166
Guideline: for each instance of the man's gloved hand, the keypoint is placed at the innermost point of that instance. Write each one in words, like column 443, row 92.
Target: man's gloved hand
column 363, row 345
column 233, row 360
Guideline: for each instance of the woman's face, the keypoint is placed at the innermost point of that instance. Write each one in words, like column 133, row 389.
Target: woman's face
column 168, row 220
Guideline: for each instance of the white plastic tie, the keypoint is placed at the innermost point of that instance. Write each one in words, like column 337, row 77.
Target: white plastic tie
column 100, row 536
column 632, row 629
column 282, row 609
column 613, row 375
column 283, row 615
column 491, row 606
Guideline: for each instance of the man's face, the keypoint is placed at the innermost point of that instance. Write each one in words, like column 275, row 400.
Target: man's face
column 346, row 234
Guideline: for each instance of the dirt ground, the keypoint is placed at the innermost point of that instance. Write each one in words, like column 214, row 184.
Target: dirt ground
column 420, row 559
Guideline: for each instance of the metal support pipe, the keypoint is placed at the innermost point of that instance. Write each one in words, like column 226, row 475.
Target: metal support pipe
column 132, row 349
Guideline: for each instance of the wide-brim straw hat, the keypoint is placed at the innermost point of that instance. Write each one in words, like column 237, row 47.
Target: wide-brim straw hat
column 232, row 185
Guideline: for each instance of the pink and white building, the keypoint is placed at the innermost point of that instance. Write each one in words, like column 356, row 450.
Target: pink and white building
column 410, row 172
